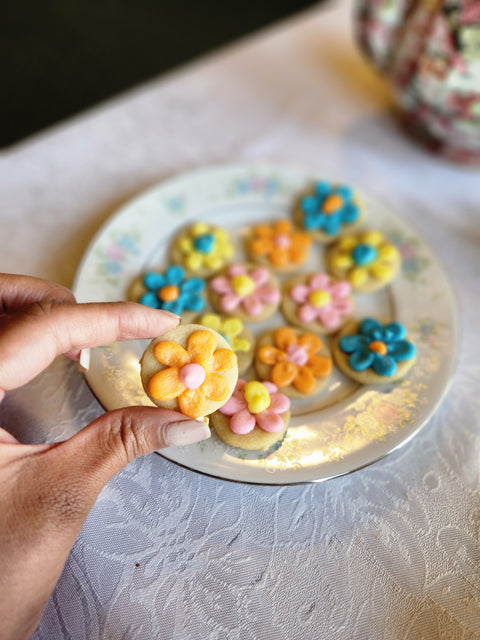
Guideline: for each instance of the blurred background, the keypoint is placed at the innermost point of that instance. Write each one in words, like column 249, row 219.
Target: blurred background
column 60, row 57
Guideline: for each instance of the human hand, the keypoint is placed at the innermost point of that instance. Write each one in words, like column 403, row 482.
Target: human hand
column 49, row 489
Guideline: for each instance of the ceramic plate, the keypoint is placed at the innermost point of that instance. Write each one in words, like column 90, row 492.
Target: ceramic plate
column 348, row 426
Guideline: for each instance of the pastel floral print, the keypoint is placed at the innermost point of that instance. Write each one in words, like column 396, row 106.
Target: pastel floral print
column 192, row 375
column 295, row 360
column 363, row 256
column 377, row 346
column 172, row 291
column 322, row 300
column 280, row 244
column 329, row 208
column 246, row 287
column 256, row 403
column 229, row 328
column 204, row 246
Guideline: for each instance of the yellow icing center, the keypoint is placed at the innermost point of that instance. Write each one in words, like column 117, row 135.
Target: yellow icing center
column 332, row 203
column 257, row 396
column 319, row 298
column 243, row 285
column 379, row 347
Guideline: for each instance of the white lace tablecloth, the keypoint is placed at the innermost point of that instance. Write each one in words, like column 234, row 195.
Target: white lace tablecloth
column 388, row 552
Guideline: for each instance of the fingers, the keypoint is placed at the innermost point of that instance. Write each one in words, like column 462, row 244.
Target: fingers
column 19, row 292
column 30, row 339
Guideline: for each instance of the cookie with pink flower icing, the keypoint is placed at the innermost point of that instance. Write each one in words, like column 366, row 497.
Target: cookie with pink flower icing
column 317, row 302
column 249, row 291
column 254, row 418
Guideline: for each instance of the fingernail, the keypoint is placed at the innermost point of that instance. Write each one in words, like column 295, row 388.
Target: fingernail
column 172, row 315
column 184, row 432
column 84, row 360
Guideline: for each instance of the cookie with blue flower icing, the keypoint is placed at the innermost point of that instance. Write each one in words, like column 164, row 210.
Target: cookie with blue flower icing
column 328, row 211
column 373, row 352
column 170, row 290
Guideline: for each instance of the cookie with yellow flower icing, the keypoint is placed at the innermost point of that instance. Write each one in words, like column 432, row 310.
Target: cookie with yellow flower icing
column 170, row 290
column 317, row 302
column 250, row 292
column 278, row 245
column 367, row 259
column 297, row 362
column 202, row 248
column 254, row 418
column 328, row 210
column 190, row 369
column 238, row 336
column 373, row 352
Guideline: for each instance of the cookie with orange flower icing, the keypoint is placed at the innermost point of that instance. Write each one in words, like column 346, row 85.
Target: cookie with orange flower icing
column 254, row 418
column 278, row 245
column 367, row 259
column 202, row 249
column 374, row 352
column 328, row 211
column 316, row 302
column 190, row 369
column 249, row 291
column 297, row 362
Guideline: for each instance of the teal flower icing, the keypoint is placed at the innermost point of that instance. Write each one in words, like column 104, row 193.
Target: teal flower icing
column 328, row 208
column 172, row 291
column 377, row 346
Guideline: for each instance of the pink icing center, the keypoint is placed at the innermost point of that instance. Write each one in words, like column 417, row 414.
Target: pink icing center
column 282, row 240
column 297, row 354
column 192, row 375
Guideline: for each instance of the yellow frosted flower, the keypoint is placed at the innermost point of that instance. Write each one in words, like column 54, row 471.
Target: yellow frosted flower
column 205, row 246
column 229, row 328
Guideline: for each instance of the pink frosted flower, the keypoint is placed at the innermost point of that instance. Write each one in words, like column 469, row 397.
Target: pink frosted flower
column 247, row 287
column 263, row 407
column 323, row 300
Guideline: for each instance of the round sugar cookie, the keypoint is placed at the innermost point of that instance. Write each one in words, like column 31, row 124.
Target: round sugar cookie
column 297, row 362
column 316, row 302
column 170, row 290
column 202, row 248
column 255, row 418
column 372, row 352
column 190, row 369
column 327, row 211
column 249, row 291
column 367, row 259
column 238, row 336
column 278, row 245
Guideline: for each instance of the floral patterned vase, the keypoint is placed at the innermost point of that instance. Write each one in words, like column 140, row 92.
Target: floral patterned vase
column 430, row 52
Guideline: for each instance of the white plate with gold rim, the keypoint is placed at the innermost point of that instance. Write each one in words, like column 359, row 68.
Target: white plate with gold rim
column 348, row 426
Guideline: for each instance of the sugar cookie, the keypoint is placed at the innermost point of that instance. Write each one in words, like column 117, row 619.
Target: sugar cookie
column 366, row 259
column 278, row 245
column 255, row 417
column 191, row 369
column 371, row 352
column 202, row 248
column 298, row 363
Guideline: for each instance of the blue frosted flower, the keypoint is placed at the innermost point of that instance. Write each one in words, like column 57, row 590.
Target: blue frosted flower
column 328, row 208
column 379, row 346
column 171, row 291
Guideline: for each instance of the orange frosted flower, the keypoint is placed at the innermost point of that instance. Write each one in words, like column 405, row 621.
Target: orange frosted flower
column 295, row 360
column 280, row 244
column 192, row 375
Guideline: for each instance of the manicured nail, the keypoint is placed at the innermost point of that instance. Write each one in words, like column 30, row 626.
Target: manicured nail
column 184, row 432
column 172, row 315
column 84, row 360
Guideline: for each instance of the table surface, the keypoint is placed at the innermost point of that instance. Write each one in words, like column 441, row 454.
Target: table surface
column 390, row 551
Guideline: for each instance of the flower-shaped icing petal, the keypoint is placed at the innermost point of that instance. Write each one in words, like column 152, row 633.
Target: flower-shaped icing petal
column 329, row 208
column 279, row 244
column 204, row 246
column 173, row 291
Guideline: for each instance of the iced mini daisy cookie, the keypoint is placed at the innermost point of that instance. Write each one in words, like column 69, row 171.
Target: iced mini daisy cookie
column 372, row 352
column 254, row 418
column 189, row 369
column 328, row 210
column 317, row 302
column 249, row 291
column 238, row 336
column 297, row 362
column 202, row 248
column 278, row 245
column 368, row 260
column 170, row 290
